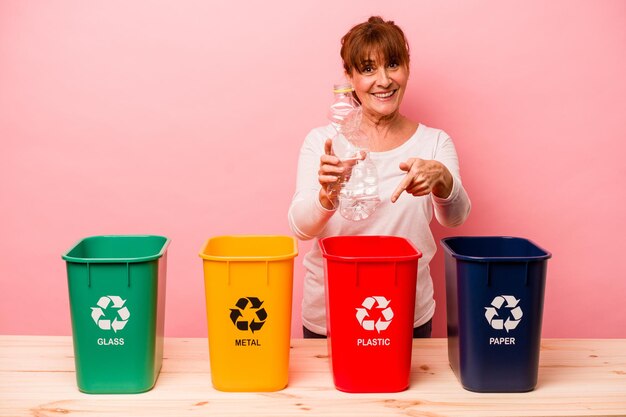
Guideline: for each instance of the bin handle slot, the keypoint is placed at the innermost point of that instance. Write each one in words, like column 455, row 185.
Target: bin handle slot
column 88, row 275
column 356, row 272
column 128, row 273
column 267, row 273
column 525, row 274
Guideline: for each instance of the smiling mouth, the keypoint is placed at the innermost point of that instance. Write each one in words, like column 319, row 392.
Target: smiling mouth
column 385, row 95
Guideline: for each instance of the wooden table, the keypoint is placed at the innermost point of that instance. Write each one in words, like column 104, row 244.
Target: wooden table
column 576, row 378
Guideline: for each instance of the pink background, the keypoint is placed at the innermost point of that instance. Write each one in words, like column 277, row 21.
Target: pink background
column 185, row 119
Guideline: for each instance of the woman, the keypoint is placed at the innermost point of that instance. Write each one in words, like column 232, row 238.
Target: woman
column 417, row 167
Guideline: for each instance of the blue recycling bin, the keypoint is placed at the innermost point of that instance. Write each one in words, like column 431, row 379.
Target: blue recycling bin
column 494, row 296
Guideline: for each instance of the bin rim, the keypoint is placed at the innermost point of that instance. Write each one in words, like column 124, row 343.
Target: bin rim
column 125, row 260
column 363, row 259
column 546, row 255
column 292, row 254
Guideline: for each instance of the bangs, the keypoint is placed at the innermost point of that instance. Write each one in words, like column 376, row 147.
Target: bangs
column 382, row 44
column 381, row 52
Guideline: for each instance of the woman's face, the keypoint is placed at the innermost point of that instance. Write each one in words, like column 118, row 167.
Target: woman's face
column 380, row 86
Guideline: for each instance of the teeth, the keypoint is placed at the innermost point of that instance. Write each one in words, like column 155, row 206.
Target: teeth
column 385, row 95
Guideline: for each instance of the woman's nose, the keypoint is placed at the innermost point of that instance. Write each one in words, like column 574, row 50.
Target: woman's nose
column 383, row 78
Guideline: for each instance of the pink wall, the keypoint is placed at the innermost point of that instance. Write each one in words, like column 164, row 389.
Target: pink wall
column 185, row 119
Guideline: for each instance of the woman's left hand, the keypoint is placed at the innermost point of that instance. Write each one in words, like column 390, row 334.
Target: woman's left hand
column 424, row 177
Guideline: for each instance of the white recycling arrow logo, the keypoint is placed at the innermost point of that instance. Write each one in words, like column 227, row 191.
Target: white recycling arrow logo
column 386, row 313
column 103, row 321
column 495, row 316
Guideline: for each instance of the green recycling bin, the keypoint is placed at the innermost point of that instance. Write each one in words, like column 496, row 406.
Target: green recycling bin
column 117, row 302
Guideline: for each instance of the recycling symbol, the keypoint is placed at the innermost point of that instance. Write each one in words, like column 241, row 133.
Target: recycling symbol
column 385, row 313
column 103, row 320
column 496, row 313
column 251, row 304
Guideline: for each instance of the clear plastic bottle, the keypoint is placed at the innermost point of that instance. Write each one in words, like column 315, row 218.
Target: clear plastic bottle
column 358, row 188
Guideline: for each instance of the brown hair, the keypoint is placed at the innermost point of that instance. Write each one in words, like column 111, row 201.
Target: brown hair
column 377, row 37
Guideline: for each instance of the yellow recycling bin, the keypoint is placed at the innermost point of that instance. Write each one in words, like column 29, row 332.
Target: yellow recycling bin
column 248, row 283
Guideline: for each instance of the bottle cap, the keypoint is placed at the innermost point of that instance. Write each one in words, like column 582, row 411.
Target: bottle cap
column 342, row 88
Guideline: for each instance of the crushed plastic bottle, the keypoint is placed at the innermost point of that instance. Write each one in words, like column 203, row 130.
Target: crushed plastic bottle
column 358, row 188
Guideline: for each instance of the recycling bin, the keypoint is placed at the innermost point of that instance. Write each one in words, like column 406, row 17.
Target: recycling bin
column 370, row 302
column 117, row 303
column 248, row 286
column 494, row 296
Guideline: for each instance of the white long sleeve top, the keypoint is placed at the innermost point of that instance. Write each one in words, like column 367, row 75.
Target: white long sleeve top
column 408, row 217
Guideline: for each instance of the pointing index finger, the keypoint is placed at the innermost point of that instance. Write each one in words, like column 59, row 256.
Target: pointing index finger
column 406, row 181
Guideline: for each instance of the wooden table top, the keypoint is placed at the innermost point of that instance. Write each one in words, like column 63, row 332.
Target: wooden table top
column 577, row 377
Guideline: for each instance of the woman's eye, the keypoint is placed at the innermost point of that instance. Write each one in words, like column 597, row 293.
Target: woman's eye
column 368, row 69
column 393, row 65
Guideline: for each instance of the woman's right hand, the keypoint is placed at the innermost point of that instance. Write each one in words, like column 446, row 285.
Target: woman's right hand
column 330, row 176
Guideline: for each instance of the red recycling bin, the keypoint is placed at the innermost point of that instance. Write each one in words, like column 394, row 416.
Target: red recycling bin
column 370, row 303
